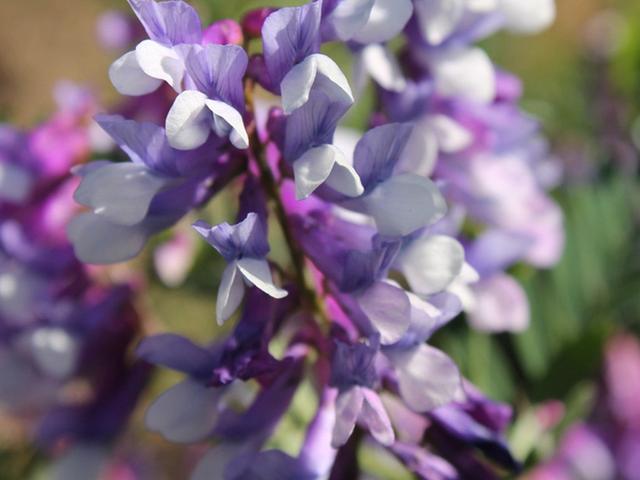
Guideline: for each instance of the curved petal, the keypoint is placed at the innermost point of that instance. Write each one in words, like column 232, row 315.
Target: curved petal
column 344, row 178
column 466, row 73
column 427, row 378
column 128, row 78
column 431, row 263
column 96, row 240
column 212, row 466
column 188, row 124
column 121, row 192
column 160, row 62
column 175, row 352
column 230, row 293
column 374, row 416
column 404, row 204
column 288, row 36
column 185, row 413
column 258, row 273
column 350, row 16
column 532, row 16
column 316, row 71
column 387, row 19
column 383, row 67
column 348, row 407
column 312, row 169
column 388, row 309
column 500, row 305
column 228, row 121
column 438, row 19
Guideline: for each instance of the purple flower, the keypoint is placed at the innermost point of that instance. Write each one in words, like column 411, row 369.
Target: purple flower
column 244, row 246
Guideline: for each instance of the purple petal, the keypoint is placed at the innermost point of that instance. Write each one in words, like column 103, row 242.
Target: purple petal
column 289, row 35
column 177, row 353
column 217, row 71
column 378, row 152
column 169, row 22
column 247, row 238
column 375, row 417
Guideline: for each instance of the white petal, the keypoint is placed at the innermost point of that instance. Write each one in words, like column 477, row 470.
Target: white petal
column 230, row 293
column 128, row 78
column 376, row 419
column 81, row 462
column 466, row 73
column 122, row 192
column 317, row 71
column 348, row 407
column 15, row 183
column 387, row 19
column 427, row 377
column 452, row 137
column 188, row 123
column 228, row 121
column 439, row 18
column 55, row 351
column 160, row 62
column 431, row 263
column 532, row 16
column 259, row 274
column 501, row 305
column 383, row 67
column 420, row 154
column 325, row 163
column 344, row 178
column 388, row 308
column 185, row 413
column 405, row 203
column 350, row 16
column 97, row 240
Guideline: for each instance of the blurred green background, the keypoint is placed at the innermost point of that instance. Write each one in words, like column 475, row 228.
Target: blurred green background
column 582, row 80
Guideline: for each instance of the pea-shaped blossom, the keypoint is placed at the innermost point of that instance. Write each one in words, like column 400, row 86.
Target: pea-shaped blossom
column 315, row 96
column 215, row 103
column 354, row 375
column 244, row 246
column 172, row 26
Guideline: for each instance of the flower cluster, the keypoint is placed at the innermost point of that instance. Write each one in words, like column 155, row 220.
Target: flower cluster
column 64, row 335
column 376, row 268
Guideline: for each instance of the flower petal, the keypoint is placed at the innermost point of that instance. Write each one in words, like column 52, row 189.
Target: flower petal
column 316, row 71
column 160, row 62
column 439, row 19
column 228, row 121
column 348, row 407
column 188, row 123
column 230, row 293
column 382, row 65
column 374, row 416
column 532, row 16
column 431, row 263
column 257, row 271
column 388, row 309
column 404, row 204
column 175, row 352
column 96, row 240
column 466, row 73
column 185, row 413
column 500, row 305
column 128, row 78
column 121, row 192
column 387, row 19
column 427, row 378
column 350, row 16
